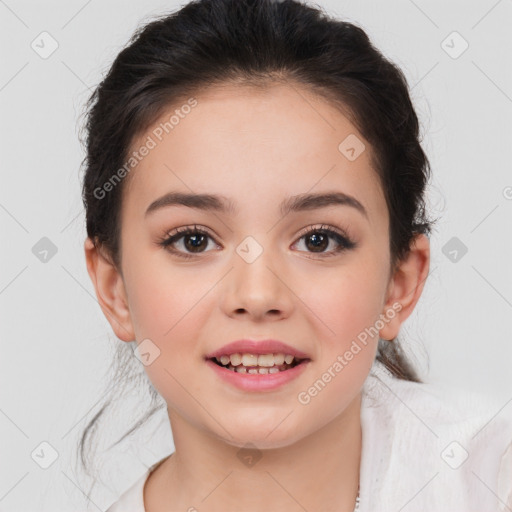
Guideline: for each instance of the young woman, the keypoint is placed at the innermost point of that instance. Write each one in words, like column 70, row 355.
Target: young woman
column 254, row 191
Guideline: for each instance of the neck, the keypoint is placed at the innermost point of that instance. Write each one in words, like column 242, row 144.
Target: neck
column 318, row 472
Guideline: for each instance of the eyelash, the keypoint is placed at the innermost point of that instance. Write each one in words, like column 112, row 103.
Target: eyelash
column 342, row 239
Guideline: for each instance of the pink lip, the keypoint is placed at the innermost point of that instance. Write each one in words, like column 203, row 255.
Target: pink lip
column 258, row 382
column 257, row 347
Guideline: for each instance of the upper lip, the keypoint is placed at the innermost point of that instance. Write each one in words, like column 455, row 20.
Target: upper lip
column 259, row 347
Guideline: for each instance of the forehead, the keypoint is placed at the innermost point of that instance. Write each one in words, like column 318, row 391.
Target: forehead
column 245, row 143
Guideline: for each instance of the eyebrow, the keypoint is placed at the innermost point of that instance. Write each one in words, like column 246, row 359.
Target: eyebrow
column 219, row 203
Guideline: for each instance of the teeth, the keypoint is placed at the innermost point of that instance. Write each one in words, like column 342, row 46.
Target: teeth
column 278, row 359
column 251, row 360
column 258, row 370
column 236, row 359
column 266, row 360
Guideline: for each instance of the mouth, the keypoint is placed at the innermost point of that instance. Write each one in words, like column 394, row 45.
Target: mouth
column 258, row 364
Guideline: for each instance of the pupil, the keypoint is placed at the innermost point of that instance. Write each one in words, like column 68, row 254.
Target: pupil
column 316, row 237
column 195, row 244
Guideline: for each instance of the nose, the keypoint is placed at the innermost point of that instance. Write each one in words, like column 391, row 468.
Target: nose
column 257, row 289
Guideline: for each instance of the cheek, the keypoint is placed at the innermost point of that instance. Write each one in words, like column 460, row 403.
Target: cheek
column 346, row 310
column 169, row 308
column 348, row 303
column 163, row 298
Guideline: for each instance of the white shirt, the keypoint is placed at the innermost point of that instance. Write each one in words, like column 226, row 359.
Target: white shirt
column 425, row 448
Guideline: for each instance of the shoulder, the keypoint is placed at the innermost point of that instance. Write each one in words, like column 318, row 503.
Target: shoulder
column 433, row 398
column 437, row 407
column 446, row 438
column 132, row 500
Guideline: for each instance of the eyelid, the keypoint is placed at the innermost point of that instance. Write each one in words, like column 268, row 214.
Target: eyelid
column 191, row 227
column 323, row 227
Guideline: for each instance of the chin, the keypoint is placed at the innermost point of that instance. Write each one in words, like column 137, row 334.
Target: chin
column 267, row 438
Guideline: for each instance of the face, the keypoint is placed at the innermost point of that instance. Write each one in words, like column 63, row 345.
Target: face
column 256, row 272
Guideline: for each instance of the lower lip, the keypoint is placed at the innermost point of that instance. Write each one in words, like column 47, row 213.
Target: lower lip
column 257, row 381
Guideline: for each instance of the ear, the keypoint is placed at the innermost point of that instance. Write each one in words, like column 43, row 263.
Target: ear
column 405, row 286
column 110, row 291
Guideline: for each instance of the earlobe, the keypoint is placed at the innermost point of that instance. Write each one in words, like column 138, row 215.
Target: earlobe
column 110, row 291
column 406, row 286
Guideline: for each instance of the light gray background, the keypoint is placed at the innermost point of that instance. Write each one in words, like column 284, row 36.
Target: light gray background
column 56, row 344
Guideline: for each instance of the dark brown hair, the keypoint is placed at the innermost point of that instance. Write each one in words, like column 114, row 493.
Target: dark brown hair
column 256, row 42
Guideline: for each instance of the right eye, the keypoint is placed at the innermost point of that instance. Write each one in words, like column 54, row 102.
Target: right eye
column 193, row 238
column 324, row 233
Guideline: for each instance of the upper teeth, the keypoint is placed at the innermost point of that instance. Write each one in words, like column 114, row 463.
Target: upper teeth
column 256, row 360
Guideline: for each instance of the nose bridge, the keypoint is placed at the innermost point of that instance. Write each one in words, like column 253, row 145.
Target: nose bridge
column 256, row 283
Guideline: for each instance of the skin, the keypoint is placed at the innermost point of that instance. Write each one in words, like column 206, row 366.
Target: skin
column 256, row 147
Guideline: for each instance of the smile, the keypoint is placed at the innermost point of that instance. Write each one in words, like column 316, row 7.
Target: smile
column 261, row 364
column 258, row 372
